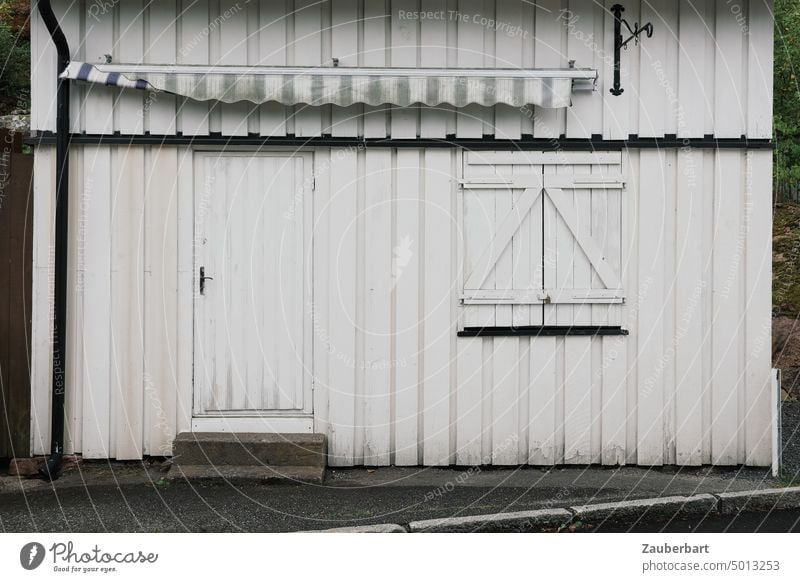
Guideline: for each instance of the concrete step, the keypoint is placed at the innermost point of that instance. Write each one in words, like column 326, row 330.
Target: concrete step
column 255, row 450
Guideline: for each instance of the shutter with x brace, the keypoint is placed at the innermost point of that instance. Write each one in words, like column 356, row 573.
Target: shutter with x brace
column 542, row 239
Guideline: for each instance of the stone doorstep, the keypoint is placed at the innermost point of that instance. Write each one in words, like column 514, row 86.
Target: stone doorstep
column 247, row 474
column 251, row 449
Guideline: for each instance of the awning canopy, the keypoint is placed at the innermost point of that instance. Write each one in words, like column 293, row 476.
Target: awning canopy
column 345, row 86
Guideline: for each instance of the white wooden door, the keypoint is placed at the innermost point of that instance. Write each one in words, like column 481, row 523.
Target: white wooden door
column 542, row 238
column 252, row 354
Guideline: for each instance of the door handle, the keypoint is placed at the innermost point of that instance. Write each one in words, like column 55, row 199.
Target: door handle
column 203, row 280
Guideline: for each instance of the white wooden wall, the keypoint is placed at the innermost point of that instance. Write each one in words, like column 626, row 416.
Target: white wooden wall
column 393, row 383
column 707, row 70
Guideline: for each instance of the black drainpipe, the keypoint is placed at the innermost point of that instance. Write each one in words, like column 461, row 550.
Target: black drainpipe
column 51, row 469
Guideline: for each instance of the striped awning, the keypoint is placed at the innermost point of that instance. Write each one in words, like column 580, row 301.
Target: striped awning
column 343, row 86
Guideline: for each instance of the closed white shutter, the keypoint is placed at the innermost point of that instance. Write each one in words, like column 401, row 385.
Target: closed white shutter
column 542, row 236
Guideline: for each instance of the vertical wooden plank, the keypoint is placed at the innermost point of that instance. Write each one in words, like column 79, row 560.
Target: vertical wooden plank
column 406, row 265
column 650, row 381
column 342, row 250
column 160, row 47
column 290, row 274
column 469, row 402
column 43, row 76
column 373, row 54
column 403, row 53
column 542, row 430
column 653, row 83
column 759, row 69
column 689, row 292
column 378, row 310
column 344, row 46
column 758, row 320
column 551, row 254
column 436, row 308
column 584, row 115
column 44, row 171
column 508, row 47
column 709, row 176
column 433, row 53
column 504, row 268
column 471, row 54
column 694, row 99
column 130, row 104
column 667, row 361
column 577, row 400
column 629, row 311
column 526, row 252
column 95, row 250
column 726, row 377
column 126, row 304
column 193, row 49
column 229, row 320
column 614, row 377
column 272, row 48
column 185, row 210
column 600, row 232
column 669, row 18
column 233, row 51
column 70, row 17
column 568, row 252
column 307, row 52
column 581, row 268
column 79, row 192
column 160, row 300
column 98, row 99
column 549, row 123
column 729, row 93
column 318, row 305
column 505, row 401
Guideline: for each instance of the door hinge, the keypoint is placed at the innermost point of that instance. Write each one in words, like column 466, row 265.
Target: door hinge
column 313, row 183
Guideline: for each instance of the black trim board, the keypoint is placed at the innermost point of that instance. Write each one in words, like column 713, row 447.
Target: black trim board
column 543, row 331
column 595, row 143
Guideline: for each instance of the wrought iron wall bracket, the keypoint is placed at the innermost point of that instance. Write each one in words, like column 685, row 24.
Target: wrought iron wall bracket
column 621, row 43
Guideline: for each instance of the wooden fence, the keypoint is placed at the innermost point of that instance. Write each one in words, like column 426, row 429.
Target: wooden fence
column 16, row 213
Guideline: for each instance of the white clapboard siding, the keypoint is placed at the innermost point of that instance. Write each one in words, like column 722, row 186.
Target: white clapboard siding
column 193, row 50
column 160, row 299
column 387, row 262
column 126, row 314
column 160, row 46
column 705, row 71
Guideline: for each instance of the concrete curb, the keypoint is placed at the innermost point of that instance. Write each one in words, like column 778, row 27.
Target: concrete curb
column 520, row 521
column 659, row 507
column 539, row 520
column 380, row 528
column 759, row 500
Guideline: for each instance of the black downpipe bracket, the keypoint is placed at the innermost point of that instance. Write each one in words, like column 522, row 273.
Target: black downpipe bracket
column 52, row 467
column 621, row 43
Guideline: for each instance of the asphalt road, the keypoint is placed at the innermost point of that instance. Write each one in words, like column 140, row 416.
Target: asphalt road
column 223, row 508
column 349, row 497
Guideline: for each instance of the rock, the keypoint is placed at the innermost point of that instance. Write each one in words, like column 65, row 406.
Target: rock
column 24, row 466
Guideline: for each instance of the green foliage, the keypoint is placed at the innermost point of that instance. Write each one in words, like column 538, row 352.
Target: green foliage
column 15, row 58
column 787, row 91
column 16, row 14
